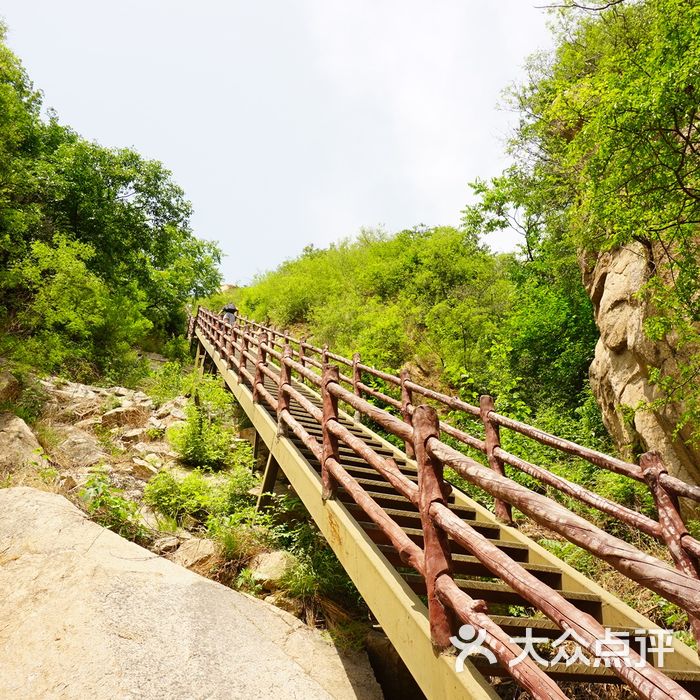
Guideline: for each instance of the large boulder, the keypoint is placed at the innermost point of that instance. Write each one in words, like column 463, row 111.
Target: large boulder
column 87, row 614
column 625, row 356
column 19, row 447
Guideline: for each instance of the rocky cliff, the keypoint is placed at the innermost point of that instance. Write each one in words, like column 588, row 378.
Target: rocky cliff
column 624, row 357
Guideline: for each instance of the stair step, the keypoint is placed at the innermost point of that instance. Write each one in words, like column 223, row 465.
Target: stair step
column 411, row 519
column 466, row 565
column 363, row 471
column 493, row 592
column 395, row 501
column 516, row 551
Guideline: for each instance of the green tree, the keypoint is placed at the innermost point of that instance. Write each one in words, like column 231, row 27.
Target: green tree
column 96, row 247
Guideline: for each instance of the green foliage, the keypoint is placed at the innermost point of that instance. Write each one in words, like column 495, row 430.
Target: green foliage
column 318, row 573
column 95, row 245
column 167, row 382
column 433, row 295
column 199, row 496
column 206, row 439
column 242, row 534
column 106, row 504
column 30, row 399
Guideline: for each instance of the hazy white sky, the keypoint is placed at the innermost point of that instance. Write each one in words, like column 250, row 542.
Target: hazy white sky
column 290, row 122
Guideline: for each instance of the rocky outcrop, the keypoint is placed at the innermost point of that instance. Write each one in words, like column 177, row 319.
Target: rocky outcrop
column 10, row 387
column 86, row 614
column 624, row 357
column 19, row 448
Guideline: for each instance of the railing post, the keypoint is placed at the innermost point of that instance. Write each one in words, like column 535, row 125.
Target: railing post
column 244, row 347
column 406, row 405
column 324, row 354
column 330, row 442
column 218, row 334
column 438, row 560
column 673, row 527
column 302, row 356
column 260, row 361
column 356, row 381
column 493, row 440
column 356, row 374
column 282, row 396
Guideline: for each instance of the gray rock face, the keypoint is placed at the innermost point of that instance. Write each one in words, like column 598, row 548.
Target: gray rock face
column 133, row 415
column 86, row 614
column 18, row 445
column 624, row 357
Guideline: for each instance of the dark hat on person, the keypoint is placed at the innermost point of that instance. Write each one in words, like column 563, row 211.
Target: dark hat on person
column 230, row 307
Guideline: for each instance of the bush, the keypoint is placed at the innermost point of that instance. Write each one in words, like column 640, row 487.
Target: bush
column 205, row 440
column 201, row 442
column 201, row 497
column 318, row 574
column 107, row 506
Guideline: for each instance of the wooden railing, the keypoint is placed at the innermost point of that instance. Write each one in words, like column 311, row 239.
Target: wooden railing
column 288, row 361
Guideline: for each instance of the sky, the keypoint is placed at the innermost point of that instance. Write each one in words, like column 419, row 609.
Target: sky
column 291, row 122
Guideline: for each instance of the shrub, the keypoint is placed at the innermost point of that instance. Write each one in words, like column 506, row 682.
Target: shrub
column 201, row 442
column 200, row 497
column 167, row 382
column 205, row 440
column 107, row 506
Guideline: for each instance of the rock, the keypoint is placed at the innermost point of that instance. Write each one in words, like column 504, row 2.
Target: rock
column 142, row 399
column 142, row 469
column 78, row 448
column 162, row 449
column 163, row 545
column 19, row 447
column 155, row 424
column 86, row 614
column 149, row 518
column 177, row 403
column 198, row 552
column 125, row 415
column 269, row 568
column 292, row 605
column 10, row 388
column 87, row 423
column 624, row 357
column 133, row 435
column 68, row 483
column 178, row 414
column 121, row 391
